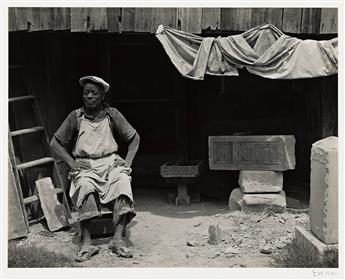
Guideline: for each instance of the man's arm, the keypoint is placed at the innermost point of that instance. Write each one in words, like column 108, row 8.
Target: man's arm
column 132, row 149
column 60, row 150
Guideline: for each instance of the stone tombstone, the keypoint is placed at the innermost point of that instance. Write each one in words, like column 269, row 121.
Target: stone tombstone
column 324, row 190
column 258, row 153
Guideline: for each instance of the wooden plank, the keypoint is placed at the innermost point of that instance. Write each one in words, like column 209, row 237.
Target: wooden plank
column 258, row 16
column 17, row 226
column 275, row 17
column 34, row 163
column 79, row 19
column 143, row 19
column 292, row 20
column 189, row 19
column 243, row 16
column 40, row 19
column 329, row 20
column 98, row 19
column 128, row 19
column 113, row 19
column 11, row 19
column 211, row 19
column 165, row 16
column 311, row 20
column 21, row 19
column 61, row 18
column 228, row 19
column 54, row 212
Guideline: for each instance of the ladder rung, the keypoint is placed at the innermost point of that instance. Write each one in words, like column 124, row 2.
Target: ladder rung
column 20, row 98
column 34, row 163
column 35, row 198
column 27, row 130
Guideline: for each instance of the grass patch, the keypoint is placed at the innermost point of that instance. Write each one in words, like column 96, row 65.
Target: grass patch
column 293, row 256
column 31, row 256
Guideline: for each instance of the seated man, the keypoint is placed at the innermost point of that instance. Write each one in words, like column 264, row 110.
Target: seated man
column 98, row 174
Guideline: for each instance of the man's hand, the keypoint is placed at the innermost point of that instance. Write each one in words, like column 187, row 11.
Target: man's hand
column 80, row 165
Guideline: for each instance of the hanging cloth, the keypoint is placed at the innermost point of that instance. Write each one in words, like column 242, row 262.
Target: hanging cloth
column 264, row 51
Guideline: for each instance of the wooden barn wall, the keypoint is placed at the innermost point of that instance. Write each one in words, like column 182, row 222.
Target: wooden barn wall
column 194, row 20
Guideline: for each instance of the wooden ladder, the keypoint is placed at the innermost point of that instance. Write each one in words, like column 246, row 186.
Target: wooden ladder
column 44, row 164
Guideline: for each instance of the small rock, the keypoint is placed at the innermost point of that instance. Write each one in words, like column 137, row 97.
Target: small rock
column 214, row 235
column 154, row 242
column 192, row 243
column 217, row 254
column 266, row 250
column 135, row 263
column 231, row 250
column 46, row 233
column 188, row 233
column 281, row 220
column 217, row 215
column 197, row 224
column 288, row 230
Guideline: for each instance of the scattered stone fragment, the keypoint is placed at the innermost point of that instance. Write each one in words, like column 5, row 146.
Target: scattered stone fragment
column 281, row 220
column 288, row 230
column 197, row 224
column 266, row 250
column 231, row 250
column 135, row 263
column 46, row 233
column 192, row 243
column 214, row 235
column 217, row 215
column 154, row 242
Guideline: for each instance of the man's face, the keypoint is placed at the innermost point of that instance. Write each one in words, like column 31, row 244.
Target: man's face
column 93, row 95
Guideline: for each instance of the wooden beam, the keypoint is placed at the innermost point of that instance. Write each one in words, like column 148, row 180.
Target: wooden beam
column 292, row 18
column 311, row 20
column 79, row 19
column 61, row 18
column 329, row 20
column 228, row 19
column 243, row 16
column 275, row 17
column 128, row 19
column 98, row 19
column 165, row 16
column 211, row 19
column 189, row 19
column 142, row 19
column 11, row 19
column 40, row 19
column 113, row 19
column 258, row 16
column 21, row 18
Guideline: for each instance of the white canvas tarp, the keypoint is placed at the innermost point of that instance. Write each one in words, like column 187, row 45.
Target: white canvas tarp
column 263, row 50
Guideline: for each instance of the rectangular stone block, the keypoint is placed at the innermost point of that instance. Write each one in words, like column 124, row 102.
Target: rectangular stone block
column 324, row 190
column 54, row 212
column 275, row 202
column 260, row 152
column 261, row 181
column 311, row 245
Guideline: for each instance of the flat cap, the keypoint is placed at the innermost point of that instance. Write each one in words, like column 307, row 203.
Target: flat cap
column 94, row 79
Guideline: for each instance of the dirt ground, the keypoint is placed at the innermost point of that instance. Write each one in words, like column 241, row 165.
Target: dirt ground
column 165, row 235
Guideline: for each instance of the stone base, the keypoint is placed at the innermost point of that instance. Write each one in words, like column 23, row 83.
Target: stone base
column 311, row 245
column 275, row 202
column 261, row 181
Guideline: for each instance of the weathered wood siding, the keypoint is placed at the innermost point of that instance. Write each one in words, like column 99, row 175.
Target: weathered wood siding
column 194, row 20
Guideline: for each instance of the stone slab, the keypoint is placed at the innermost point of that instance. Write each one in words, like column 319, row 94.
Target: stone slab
column 260, row 152
column 311, row 245
column 275, row 202
column 260, row 181
column 324, row 190
column 54, row 212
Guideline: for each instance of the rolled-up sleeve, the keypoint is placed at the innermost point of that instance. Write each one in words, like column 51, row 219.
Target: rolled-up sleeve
column 67, row 129
column 123, row 127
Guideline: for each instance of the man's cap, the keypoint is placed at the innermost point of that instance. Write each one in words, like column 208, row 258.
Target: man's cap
column 95, row 79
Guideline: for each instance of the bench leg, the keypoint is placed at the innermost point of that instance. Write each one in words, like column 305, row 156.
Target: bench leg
column 182, row 195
